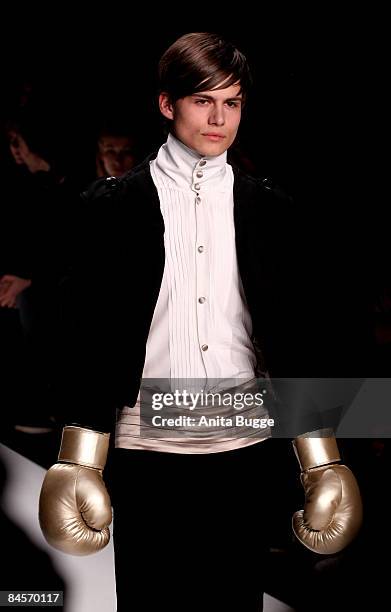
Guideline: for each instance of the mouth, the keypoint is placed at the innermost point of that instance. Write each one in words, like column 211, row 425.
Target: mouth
column 214, row 137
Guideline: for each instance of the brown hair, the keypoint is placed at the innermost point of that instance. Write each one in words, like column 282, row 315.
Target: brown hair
column 202, row 61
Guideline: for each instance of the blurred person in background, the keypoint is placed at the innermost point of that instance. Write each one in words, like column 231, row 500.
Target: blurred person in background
column 117, row 151
column 37, row 215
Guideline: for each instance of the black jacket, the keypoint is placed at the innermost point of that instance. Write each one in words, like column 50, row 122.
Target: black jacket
column 116, row 278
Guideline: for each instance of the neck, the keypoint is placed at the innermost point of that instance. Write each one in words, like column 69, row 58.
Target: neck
column 37, row 164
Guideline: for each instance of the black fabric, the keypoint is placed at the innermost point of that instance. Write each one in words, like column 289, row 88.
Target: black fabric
column 191, row 531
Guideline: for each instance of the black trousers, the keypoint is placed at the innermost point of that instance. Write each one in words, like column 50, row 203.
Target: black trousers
column 191, row 531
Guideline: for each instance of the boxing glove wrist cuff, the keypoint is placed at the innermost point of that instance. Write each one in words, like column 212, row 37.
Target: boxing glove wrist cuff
column 315, row 449
column 84, row 447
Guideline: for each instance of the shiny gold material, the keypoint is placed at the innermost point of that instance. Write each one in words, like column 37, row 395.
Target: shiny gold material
column 332, row 514
column 74, row 506
column 315, row 451
column 84, row 447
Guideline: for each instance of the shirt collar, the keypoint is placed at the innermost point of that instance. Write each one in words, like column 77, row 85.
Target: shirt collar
column 186, row 168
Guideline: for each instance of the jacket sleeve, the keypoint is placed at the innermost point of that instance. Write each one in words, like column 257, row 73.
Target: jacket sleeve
column 88, row 298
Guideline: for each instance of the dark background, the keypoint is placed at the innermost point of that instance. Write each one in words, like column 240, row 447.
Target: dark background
column 309, row 118
column 81, row 72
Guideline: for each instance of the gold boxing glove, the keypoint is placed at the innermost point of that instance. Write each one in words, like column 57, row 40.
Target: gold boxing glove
column 74, row 506
column 332, row 514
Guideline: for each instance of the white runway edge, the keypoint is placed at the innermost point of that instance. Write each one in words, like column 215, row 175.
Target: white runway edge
column 90, row 580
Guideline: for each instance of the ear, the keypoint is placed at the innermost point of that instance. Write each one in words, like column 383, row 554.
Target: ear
column 165, row 105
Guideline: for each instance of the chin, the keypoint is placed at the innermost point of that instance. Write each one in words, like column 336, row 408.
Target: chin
column 213, row 149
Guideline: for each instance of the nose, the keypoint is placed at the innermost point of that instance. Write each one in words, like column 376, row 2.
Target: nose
column 217, row 116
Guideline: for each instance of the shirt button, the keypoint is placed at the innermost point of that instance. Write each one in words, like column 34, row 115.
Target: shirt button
column 204, row 347
column 200, row 249
column 199, row 174
column 202, row 162
column 197, row 186
column 201, row 300
column 112, row 181
column 198, row 200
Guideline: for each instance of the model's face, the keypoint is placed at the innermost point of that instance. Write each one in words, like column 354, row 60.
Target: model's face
column 116, row 154
column 206, row 122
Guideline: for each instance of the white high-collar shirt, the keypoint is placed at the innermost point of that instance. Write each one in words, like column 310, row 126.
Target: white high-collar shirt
column 200, row 335
column 201, row 327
